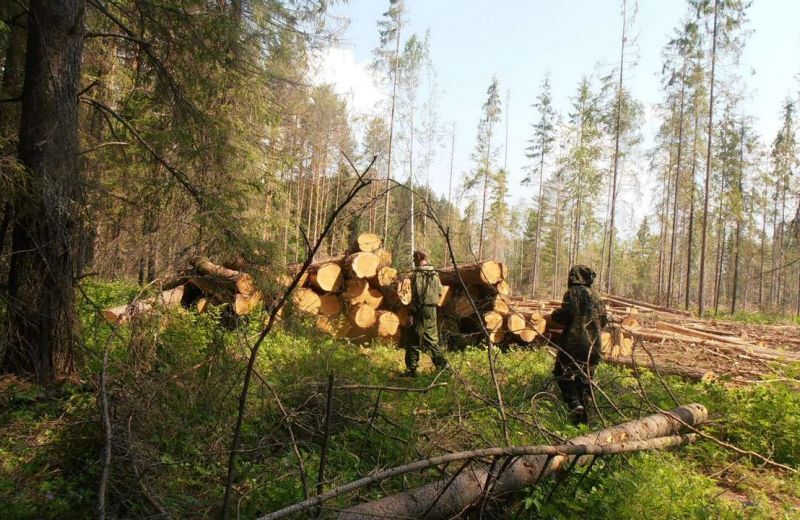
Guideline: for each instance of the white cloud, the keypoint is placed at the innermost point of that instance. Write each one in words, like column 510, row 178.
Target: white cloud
column 351, row 79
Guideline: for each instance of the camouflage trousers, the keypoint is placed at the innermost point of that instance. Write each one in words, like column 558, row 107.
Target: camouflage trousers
column 425, row 337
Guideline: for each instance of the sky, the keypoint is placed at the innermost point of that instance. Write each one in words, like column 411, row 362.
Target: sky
column 521, row 41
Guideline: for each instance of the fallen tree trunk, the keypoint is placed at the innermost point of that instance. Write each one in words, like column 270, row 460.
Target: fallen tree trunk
column 124, row 313
column 241, row 282
column 386, row 324
column 629, row 302
column 362, row 316
column 664, row 368
column 306, row 300
column 451, row 497
column 330, row 305
column 671, row 327
column 386, row 275
column 398, row 294
column 373, row 297
column 362, row 265
column 355, row 291
column 366, row 242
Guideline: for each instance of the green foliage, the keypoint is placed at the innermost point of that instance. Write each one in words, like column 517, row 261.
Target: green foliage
column 48, row 451
column 658, row 484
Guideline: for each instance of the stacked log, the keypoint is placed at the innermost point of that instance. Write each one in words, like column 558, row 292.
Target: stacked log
column 203, row 284
column 360, row 295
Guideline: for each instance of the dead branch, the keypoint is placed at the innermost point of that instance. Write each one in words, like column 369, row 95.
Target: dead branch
column 452, row 495
column 323, row 458
column 391, row 388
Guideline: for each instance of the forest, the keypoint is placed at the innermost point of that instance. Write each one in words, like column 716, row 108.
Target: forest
column 207, row 292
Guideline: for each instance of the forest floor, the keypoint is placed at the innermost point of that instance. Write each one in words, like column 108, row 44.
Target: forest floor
column 172, row 384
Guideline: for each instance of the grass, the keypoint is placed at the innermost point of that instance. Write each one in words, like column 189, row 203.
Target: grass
column 173, row 383
column 757, row 318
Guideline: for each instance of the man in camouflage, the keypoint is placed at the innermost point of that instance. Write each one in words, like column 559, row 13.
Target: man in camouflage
column 583, row 316
column 425, row 291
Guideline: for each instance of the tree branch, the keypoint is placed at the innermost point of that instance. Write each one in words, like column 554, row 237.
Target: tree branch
column 360, row 183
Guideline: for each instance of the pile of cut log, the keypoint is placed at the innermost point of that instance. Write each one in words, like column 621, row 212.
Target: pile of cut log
column 204, row 283
column 361, row 296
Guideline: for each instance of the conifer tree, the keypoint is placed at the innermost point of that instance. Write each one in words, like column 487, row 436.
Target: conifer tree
column 624, row 114
column 387, row 60
column 484, row 156
column 581, row 164
column 540, row 145
column 726, row 20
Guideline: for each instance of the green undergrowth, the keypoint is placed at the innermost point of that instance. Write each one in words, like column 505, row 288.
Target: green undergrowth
column 173, row 390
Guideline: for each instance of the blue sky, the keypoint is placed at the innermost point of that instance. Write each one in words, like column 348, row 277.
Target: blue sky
column 520, row 41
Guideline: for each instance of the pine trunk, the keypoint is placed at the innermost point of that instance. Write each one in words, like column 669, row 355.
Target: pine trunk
column 42, row 322
column 703, row 236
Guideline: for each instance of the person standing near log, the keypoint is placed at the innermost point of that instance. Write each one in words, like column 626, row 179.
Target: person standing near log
column 425, row 291
column 583, row 315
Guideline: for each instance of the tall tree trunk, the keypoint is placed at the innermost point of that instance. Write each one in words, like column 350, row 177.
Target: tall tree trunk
column 690, row 230
column 13, row 71
column 42, row 322
column 557, row 245
column 735, row 284
column 774, row 255
column 763, row 252
column 536, row 244
column 662, row 241
column 740, row 209
column 797, row 309
column 411, row 179
column 677, row 188
column 720, row 257
column 701, row 276
column 578, row 215
column 781, row 252
column 450, row 179
column 617, row 131
column 486, row 167
column 386, row 197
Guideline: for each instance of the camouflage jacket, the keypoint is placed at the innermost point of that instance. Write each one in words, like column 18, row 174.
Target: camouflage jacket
column 583, row 315
column 425, row 286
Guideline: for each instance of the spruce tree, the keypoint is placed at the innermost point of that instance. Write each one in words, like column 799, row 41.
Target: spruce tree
column 540, row 145
column 484, row 156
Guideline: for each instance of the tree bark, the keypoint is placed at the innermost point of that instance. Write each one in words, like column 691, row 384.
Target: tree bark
column 690, row 230
column 450, row 497
column 42, row 322
column 676, row 188
column 386, row 197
